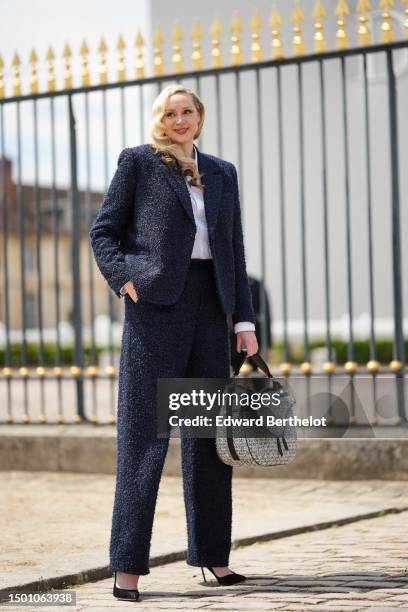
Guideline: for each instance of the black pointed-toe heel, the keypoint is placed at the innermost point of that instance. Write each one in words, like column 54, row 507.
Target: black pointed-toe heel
column 227, row 580
column 125, row 594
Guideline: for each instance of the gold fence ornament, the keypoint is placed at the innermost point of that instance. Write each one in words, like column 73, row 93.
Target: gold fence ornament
column 216, row 32
column 158, row 62
column 85, row 74
column 16, row 74
column 236, row 29
column 177, row 58
column 197, row 62
column 33, row 60
column 364, row 33
column 120, row 48
column 405, row 5
column 319, row 13
column 298, row 44
column 256, row 47
column 275, row 22
column 50, row 57
column 2, row 88
column 387, row 29
column 139, row 67
column 67, row 54
column 103, row 70
column 342, row 11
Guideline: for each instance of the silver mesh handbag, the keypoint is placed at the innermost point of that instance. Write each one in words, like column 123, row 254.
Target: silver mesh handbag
column 268, row 445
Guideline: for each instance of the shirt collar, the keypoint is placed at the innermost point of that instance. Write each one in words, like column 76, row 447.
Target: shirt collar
column 187, row 176
column 195, row 155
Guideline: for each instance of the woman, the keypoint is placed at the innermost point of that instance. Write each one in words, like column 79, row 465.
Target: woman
column 168, row 237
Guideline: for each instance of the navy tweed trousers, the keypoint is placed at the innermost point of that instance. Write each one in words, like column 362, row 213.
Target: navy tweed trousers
column 186, row 339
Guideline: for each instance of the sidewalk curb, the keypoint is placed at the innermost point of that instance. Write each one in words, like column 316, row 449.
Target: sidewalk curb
column 102, row 573
column 92, row 449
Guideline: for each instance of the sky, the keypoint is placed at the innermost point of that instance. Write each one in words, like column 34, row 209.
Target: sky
column 38, row 23
column 28, row 24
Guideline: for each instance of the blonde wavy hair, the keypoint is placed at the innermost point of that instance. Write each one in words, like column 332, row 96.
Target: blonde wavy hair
column 170, row 151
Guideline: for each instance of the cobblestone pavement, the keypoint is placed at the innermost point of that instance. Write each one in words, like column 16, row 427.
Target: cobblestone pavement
column 56, row 524
column 361, row 566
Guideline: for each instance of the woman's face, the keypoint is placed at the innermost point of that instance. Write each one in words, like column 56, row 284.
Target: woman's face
column 180, row 118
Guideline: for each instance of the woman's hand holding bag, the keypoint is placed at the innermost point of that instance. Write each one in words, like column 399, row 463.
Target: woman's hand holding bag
column 247, row 339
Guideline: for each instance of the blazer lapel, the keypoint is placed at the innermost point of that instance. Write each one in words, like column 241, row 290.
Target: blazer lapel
column 211, row 178
column 178, row 183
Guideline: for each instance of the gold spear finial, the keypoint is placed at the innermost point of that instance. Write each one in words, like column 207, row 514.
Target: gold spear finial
column 297, row 18
column 67, row 54
column 342, row 11
column 236, row 29
column 50, row 57
column 33, row 60
column 319, row 14
column 405, row 4
column 364, row 34
column 16, row 74
column 216, row 31
column 256, row 47
column 2, row 89
column 196, row 57
column 120, row 48
column 275, row 22
column 158, row 62
column 85, row 74
column 103, row 70
column 140, row 67
column 387, row 30
column 177, row 59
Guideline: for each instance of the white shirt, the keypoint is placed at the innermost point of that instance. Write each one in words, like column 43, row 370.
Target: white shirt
column 201, row 247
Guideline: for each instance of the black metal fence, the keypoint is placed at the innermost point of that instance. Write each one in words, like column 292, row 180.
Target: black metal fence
column 62, row 324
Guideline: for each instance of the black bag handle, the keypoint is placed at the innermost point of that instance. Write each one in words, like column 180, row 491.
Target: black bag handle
column 259, row 362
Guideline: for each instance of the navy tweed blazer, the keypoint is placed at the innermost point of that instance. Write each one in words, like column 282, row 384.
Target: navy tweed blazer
column 145, row 229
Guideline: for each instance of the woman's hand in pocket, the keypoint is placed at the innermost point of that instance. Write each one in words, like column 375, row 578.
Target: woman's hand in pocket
column 131, row 291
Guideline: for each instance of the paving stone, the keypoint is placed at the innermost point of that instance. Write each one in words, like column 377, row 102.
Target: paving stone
column 361, row 565
column 375, row 584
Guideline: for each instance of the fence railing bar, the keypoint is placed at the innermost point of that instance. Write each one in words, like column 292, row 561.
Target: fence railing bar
column 325, row 214
column 240, row 123
column 282, row 206
column 350, row 347
column 399, row 351
column 219, row 148
column 373, row 347
column 108, row 290
column 76, row 261
column 302, row 201
column 38, row 232
column 261, row 187
column 56, row 256
column 23, row 257
column 38, row 257
column 91, row 267
column 6, row 281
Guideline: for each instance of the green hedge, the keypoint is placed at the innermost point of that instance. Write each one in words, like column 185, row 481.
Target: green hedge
column 384, row 350
column 361, row 352
column 50, row 354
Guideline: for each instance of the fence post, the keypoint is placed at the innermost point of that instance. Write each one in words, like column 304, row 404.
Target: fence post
column 75, row 262
column 396, row 236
